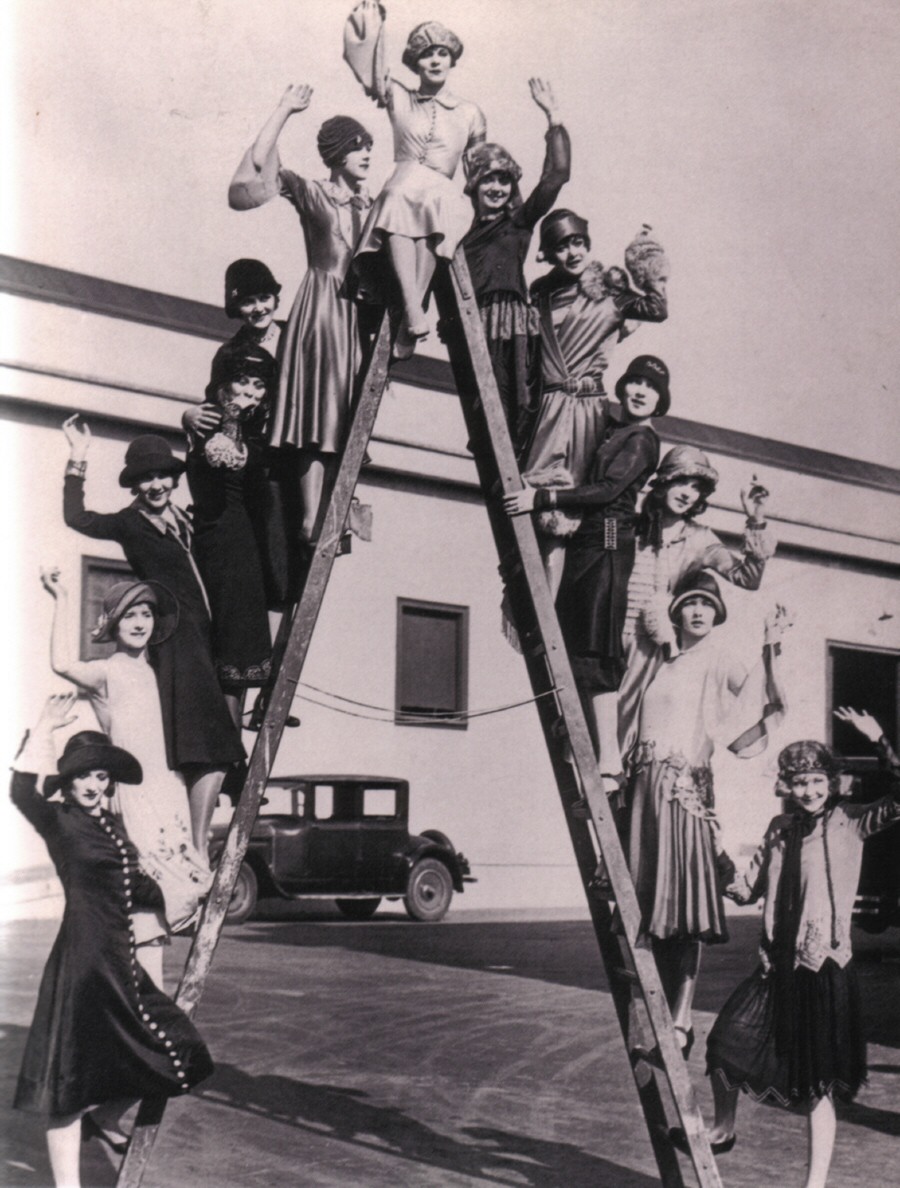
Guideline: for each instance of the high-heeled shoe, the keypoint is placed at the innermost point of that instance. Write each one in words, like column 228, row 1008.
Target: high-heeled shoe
column 678, row 1139
column 687, row 1045
column 90, row 1128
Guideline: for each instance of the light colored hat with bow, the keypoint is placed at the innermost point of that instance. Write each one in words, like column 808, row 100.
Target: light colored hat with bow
column 424, row 36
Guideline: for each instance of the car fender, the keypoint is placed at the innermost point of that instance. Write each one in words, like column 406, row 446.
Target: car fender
column 425, row 846
column 257, row 858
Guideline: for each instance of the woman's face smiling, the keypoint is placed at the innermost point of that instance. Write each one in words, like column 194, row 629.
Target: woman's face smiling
column 570, row 256
column 683, row 495
column 494, row 192
column 154, row 490
column 697, row 617
column 433, row 67
column 639, row 400
column 88, row 790
column 135, row 627
column 258, row 310
column 810, row 790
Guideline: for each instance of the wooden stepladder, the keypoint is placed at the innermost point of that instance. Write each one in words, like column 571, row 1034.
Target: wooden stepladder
column 657, row 1064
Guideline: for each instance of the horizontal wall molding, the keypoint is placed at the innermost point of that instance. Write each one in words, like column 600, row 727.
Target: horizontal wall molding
column 89, row 294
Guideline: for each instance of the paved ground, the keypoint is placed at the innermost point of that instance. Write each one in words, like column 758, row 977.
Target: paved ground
column 479, row 1051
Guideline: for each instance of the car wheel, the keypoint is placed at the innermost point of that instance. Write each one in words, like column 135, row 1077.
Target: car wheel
column 243, row 897
column 429, row 890
column 358, row 909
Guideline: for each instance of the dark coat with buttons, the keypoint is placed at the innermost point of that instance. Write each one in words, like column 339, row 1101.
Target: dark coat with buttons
column 101, row 1029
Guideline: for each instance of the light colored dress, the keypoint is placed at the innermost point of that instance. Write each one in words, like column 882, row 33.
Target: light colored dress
column 431, row 133
column 701, row 696
column 155, row 813
column 320, row 347
column 686, row 548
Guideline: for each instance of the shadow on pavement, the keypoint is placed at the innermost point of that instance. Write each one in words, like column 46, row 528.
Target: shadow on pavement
column 347, row 1115
column 564, row 953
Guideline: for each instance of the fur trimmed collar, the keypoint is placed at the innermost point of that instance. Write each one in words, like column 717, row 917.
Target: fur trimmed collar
column 596, row 283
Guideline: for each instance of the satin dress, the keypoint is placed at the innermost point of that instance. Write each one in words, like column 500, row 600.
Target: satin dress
column 320, row 346
column 101, row 1030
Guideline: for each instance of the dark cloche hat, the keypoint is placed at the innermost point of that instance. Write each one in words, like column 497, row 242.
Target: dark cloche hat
column 698, row 584
column 655, row 372
column 123, row 595
column 243, row 358
column 247, row 278
column 147, row 453
column 339, row 136
column 89, row 750
column 559, row 225
column 489, row 158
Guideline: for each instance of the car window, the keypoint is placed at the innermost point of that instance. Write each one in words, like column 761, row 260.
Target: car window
column 281, row 801
column 324, row 802
column 379, row 802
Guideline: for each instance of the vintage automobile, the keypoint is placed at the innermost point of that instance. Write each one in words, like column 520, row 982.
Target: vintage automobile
column 347, row 837
column 877, row 904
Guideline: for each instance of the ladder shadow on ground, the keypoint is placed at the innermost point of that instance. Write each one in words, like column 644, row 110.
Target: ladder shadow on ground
column 343, row 1114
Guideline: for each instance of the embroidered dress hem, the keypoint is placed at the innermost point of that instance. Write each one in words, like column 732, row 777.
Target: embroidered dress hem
column 828, row 1052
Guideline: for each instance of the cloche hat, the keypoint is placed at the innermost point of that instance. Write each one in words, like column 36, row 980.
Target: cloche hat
column 123, row 595
column 698, row 584
column 685, row 462
column 147, row 453
column 247, row 278
column 426, row 35
column 804, row 756
column 242, row 358
column 655, row 372
column 559, row 225
column 489, row 158
column 90, row 750
column 339, row 136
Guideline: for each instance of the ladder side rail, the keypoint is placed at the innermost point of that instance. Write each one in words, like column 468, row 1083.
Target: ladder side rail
column 499, row 473
column 265, row 750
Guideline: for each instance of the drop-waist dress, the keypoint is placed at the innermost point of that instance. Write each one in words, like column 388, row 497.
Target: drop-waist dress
column 155, row 813
column 101, row 1029
column 320, row 347
column 431, row 133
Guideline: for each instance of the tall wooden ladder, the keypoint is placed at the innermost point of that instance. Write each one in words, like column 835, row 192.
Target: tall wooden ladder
column 659, row 1070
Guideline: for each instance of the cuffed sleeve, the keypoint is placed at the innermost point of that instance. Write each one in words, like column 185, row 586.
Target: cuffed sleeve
column 637, row 455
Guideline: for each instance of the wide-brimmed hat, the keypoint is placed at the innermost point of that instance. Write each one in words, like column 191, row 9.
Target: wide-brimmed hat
column 247, row 278
column 339, row 136
column 490, row 158
column 123, row 595
column 698, row 584
column 233, row 360
column 685, row 462
column 147, row 453
column 655, row 372
column 426, row 35
column 90, row 750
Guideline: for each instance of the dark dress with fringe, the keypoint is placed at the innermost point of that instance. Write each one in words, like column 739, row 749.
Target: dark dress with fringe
column 101, row 1029
column 792, row 1032
column 593, row 593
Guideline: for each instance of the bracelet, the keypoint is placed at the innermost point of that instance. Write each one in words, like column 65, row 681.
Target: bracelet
column 551, row 496
column 76, row 468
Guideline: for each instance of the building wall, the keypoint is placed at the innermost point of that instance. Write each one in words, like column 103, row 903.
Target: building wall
column 489, row 786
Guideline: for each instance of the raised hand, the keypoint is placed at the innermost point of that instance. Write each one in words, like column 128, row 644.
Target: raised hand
column 754, row 499
column 57, row 712
column 78, row 435
column 860, row 720
column 542, row 94
column 51, row 580
column 778, row 621
column 297, row 97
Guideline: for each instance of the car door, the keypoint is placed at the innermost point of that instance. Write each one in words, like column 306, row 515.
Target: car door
column 332, row 842
column 383, row 836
